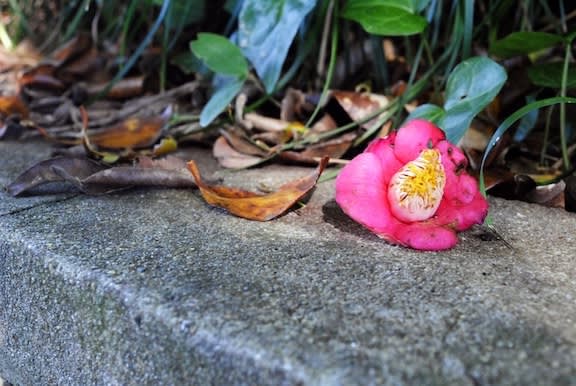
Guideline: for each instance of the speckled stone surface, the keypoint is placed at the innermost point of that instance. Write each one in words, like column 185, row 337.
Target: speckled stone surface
column 153, row 286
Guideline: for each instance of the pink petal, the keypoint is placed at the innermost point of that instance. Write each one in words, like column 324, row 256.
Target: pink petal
column 384, row 149
column 462, row 189
column 414, row 137
column 458, row 182
column 460, row 216
column 426, row 236
column 362, row 194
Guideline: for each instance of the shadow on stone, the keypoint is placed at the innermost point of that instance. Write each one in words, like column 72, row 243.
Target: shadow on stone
column 332, row 214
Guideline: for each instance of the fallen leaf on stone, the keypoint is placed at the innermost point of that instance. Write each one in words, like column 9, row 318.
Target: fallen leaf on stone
column 551, row 195
column 254, row 206
column 169, row 172
column 91, row 177
column 48, row 171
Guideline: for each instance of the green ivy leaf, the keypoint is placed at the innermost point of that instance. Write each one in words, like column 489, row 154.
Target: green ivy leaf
column 471, row 86
column 430, row 112
column 188, row 63
column 266, row 31
column 387, row 20
column 407, row 5
column 550, row 75
column 523, row 43
column 220, row 54
column 227, row 88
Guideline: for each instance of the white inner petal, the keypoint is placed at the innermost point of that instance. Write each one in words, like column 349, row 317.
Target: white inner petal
column 415, row 191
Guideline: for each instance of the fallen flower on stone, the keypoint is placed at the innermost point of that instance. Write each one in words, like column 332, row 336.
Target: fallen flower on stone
column 411, row 188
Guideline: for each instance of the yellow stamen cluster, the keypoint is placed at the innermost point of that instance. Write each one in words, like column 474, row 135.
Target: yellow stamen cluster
column 416, row 190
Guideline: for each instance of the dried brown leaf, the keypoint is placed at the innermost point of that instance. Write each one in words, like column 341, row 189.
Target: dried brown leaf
column 124, row 89
column 73, row 48
column 254, row 206
column 41, row 77
column 93, row 178
column 360, row 105
column 334, row 149
column 132, row 133
column 13, row 105
column 230, row 158
column 46, row 171
column 241, row 143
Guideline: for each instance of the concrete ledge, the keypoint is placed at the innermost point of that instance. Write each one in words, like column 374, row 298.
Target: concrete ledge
column 154, row 287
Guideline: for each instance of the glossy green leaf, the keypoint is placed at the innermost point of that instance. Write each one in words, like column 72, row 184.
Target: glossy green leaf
column 220, row 54
column 550, row 75
column 407, row 5
column 227, row 88
column 430, row 112
column 386, row 20
column 523, row 43
column 266, row 31
column 471, row 86
column 188, row 63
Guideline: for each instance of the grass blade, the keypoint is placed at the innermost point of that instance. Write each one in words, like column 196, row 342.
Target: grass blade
column 505, row 125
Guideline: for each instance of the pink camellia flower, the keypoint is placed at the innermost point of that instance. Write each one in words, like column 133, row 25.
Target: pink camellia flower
column 411, row 188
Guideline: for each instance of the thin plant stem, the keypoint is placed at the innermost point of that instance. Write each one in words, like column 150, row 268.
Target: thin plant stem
column 546, row 134
column 331, row 65
column 413, row 72
column 75, row 23
column 143, row 44
column 563, row 144
column 468, row 20
column 321, row 65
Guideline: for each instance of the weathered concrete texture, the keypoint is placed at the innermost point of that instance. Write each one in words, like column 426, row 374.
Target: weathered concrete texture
column 155, row 287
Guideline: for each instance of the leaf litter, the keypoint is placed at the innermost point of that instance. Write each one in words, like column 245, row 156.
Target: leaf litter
column 135, row 121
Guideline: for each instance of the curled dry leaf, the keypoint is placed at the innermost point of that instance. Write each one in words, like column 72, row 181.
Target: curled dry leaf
column 123, row 89
column 238, row 140
column 73, row 48
column 169, row 172
column 230, row 158
column 132, row 133
column 41, row 77
column 360, row 105
column 91, row 177
column 48, row 171
column 13, row 105
column 254, row 206
column 334, row 149
column 88, row 66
